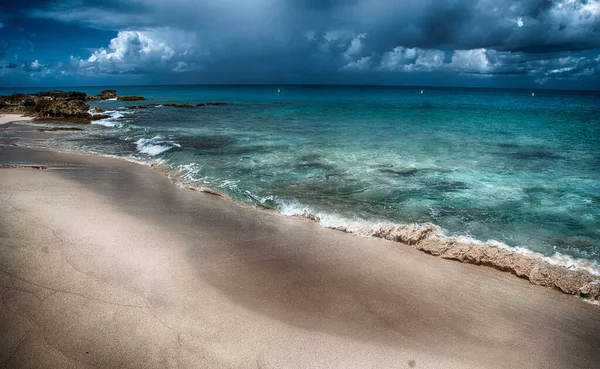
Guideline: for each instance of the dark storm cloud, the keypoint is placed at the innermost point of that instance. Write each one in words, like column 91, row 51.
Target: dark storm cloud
column 540, row 39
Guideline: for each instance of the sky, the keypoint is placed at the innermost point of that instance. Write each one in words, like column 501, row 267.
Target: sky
column 551, row 44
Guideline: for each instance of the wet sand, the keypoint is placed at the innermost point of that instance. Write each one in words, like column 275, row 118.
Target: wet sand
column 106, row 263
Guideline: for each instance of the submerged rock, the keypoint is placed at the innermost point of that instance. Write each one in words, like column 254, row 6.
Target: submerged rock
column 401, row 171
column 142, row 106
column 100, row 116
column 130, row 98
column 187, row 106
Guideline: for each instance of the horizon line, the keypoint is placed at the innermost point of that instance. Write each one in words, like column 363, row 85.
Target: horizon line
column 299, row 85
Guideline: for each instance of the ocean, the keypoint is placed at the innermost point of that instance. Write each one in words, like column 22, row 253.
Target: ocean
column 486, row 164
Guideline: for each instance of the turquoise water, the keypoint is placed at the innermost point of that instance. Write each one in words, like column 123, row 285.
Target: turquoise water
column 487, row 164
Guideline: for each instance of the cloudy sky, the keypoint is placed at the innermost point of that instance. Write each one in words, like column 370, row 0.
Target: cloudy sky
column 488, row 43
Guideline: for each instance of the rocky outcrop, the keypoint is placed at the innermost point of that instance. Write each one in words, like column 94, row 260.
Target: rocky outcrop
column 429, row 238
column 107, row 94
column 112, row 94
column 130, row 98
column 100, row 116
column 49, row 105
column 70, row 110
column 62, row 95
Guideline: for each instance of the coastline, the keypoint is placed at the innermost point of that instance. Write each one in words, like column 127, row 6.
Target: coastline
column 565, row 274
column 108, row 263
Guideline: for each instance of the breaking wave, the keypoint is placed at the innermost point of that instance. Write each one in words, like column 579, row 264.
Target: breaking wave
column 115, row 118
column 155, row 145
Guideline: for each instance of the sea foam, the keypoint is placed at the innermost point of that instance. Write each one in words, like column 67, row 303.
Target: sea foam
column 155, row 145
column 115, row 119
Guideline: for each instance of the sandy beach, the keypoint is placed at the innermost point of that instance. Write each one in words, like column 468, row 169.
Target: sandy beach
column 7, row 118
column 106, row 263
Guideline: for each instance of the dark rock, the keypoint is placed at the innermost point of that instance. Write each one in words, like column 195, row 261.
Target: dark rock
column 201, row 104
column 107, row 94
column 49, row 105
column 401, row 171
column 141, row 106
column 187, row 106
column 66, row 109
column 216, row 103
column 97, row 109
column 54, row 129
column 100, row 116
column 130, row 98
column 59, row 95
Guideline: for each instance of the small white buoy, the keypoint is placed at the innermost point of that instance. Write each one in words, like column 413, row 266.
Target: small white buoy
column 421, row 92
column 533, row 94
column 278, row 90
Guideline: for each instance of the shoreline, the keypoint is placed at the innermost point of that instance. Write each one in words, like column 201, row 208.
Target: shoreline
column 118, row 266
column 567, row 274
column 10, row 118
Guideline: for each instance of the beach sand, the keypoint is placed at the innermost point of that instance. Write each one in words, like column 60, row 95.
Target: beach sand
column 7, row 118
column 107, row 263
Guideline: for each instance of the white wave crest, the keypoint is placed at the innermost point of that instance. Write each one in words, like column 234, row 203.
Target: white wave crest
column 369, row 228
column 155, row 145
column 115, row 119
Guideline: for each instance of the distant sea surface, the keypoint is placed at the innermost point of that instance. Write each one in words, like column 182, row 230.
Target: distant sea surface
column 486, row 164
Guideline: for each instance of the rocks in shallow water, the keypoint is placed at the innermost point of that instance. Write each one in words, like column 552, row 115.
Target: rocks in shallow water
column 401, row 171
column 142, row 106
column 107, row 94
column 100, row 116
column 187, row 106
column 62, row 95
column 55, row 129
column 130, row 98
column 215, row 103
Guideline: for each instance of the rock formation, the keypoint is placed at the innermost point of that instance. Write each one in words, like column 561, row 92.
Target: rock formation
column 179, row 105
column 429, row 238
column 130, row 98
column 67, row 106
column 50, row 105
